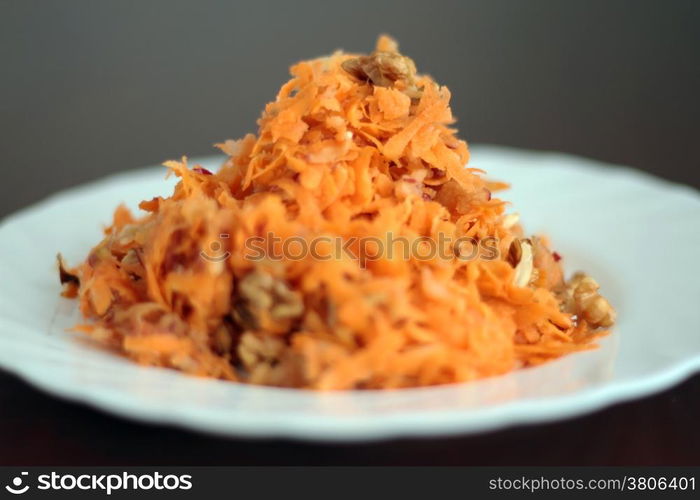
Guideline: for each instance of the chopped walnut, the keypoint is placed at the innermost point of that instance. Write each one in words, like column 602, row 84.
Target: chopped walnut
column 69, row 279
column 222, row 339
column 520, row 256
column 581, row 297
column 254, row 349
column 384, row 68
column 64, row 275
column 266, row 361
column 261, row 295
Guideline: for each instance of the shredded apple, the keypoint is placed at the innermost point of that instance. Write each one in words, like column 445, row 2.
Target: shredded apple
column 355, row 149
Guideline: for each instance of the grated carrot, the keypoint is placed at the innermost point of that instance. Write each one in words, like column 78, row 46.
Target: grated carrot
column 352, row 146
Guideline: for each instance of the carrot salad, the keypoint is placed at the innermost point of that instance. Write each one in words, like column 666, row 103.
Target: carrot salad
column 353, row 148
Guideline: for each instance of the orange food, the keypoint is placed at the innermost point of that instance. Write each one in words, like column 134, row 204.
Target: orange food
column 353, row 149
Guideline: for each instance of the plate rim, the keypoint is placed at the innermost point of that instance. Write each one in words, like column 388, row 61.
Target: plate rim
column 383, row 427
column 441, row 423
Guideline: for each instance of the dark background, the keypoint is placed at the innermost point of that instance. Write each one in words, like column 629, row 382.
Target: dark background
column 92, row 87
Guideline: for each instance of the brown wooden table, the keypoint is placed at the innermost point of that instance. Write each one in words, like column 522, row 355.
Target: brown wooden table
column 36, row 429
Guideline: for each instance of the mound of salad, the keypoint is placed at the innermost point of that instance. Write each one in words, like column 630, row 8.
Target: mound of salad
column 356, row 153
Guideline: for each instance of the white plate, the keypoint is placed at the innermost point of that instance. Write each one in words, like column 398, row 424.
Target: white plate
column 636, row 234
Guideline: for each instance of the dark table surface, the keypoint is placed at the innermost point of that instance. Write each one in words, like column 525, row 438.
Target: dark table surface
column 90, row 88
column 36, row 429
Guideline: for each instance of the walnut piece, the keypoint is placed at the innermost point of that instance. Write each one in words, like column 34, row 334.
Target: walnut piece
column 65, row 276
column 520, row 256
column 581, row 297
column 384, row 69
column 254, row 349
column 262, row 295
column 69, row 279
